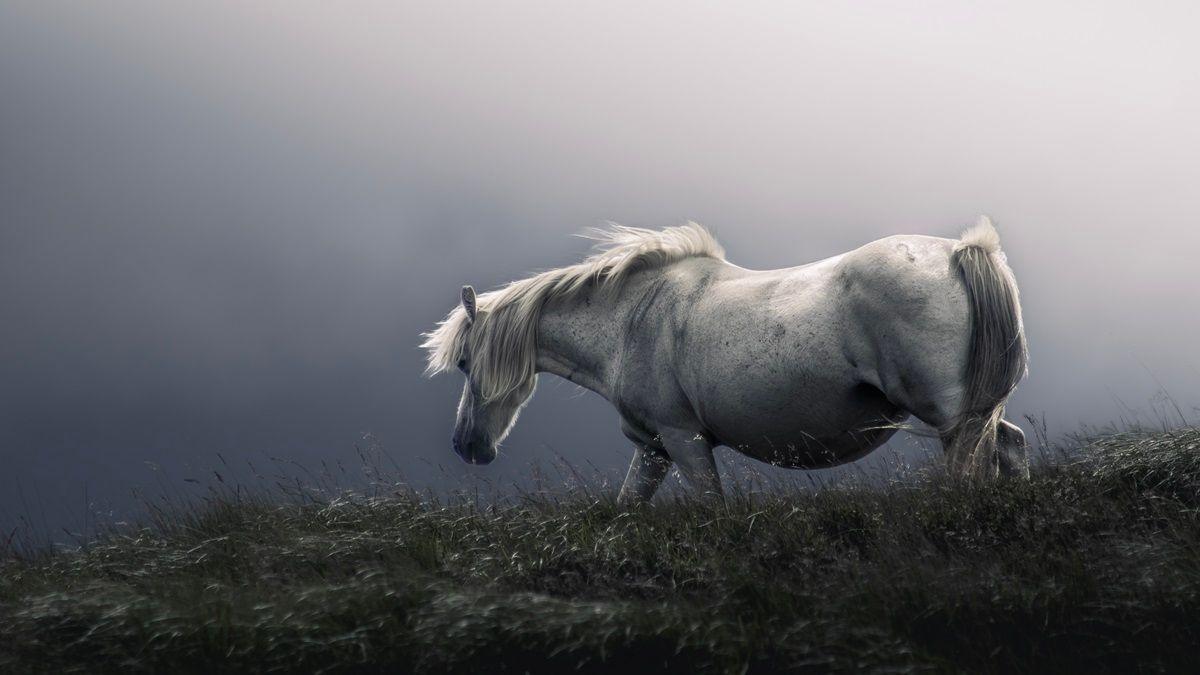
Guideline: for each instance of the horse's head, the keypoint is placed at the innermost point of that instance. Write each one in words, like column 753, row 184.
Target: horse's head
column 482, row 422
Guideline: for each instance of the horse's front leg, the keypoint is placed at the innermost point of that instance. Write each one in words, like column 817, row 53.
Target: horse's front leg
column 646, row 473
column 693, row 454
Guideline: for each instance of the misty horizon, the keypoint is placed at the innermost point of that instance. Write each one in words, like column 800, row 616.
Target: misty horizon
column 224, row 228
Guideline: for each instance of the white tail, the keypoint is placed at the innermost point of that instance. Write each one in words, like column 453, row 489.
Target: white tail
column 997, row 358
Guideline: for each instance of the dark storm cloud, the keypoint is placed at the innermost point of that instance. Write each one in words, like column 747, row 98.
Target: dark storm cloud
column 223, row 228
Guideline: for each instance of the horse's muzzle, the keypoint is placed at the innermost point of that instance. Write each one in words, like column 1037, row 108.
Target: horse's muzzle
column 474, row 453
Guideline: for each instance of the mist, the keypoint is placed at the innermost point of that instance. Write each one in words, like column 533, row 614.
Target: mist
column 222, row 228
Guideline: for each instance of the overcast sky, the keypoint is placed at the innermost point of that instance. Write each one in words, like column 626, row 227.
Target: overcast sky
column 222, row 228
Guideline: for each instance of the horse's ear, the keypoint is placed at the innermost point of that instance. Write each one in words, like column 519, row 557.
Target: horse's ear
column 468, row 301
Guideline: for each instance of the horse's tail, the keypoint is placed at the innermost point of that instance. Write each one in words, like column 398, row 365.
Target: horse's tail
column 997, row 356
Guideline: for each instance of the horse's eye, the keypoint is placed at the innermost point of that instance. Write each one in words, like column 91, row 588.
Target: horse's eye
column 462, row 365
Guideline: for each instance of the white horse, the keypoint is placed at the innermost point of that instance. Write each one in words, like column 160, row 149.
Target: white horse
column 804, row 367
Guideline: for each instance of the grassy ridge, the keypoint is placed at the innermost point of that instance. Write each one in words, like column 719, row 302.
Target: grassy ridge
column 1094, row 563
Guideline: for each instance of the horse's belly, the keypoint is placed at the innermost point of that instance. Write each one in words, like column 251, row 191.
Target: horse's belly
column 802, row 451
column 812, row 431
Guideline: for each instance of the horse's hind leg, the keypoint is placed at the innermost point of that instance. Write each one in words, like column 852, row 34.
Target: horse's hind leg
column 1012, row 452
column 1011, row 458
column 931, row 388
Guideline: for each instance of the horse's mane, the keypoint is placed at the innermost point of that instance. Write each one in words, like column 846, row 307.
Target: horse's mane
column 502, row 341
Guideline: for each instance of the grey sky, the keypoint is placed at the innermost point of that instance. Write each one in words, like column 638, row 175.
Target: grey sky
column 222, row 227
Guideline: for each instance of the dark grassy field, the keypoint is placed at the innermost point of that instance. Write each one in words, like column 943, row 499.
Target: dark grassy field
column 1093, row 565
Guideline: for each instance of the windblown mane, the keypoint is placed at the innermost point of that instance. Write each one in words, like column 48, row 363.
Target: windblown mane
column 502, row 341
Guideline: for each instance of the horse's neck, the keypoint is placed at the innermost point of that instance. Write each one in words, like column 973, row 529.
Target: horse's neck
column 577, row 338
